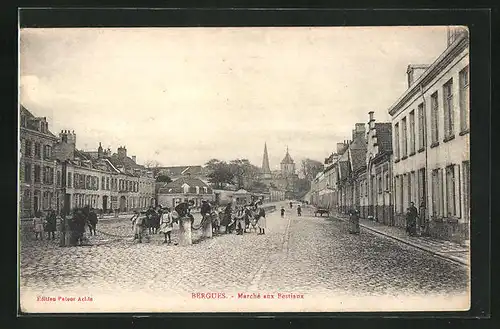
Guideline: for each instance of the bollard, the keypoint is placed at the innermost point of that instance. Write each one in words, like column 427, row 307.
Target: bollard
column 67, row 233
column 207, row 228
column 185, row 238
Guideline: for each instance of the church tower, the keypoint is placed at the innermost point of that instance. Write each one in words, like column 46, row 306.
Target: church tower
column 266, row 170
column 287, row 165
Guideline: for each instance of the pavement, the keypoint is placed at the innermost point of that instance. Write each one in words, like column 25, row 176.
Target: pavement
column 446, row 249
column 302, row 264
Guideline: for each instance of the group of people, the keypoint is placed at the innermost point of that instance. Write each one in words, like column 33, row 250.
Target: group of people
column 161, row 219
column 299, row 210
column 74, row 225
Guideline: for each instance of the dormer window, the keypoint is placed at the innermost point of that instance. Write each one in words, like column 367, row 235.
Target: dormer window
column 197, row 190
column 205, row 189
column 185, row 187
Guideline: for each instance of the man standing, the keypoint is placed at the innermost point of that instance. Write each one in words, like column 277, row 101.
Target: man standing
column 423, row 220
column 299, row 211
column 411, row 220
column 205, row 208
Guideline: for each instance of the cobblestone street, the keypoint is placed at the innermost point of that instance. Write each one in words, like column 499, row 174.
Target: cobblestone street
column 310, row 256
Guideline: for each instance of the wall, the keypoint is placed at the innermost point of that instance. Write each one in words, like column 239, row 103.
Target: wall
column 452, row 152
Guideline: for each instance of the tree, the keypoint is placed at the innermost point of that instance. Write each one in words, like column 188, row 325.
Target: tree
column 163, row 179
column 302, row 186
column 257, row 186
column 153, row 165
column 244, row 172
column 219, row 173
column 310, row 168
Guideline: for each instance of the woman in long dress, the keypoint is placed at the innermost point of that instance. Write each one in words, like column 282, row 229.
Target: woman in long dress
column 38, row 225
column 261, row 219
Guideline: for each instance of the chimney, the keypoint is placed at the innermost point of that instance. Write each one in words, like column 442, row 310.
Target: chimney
column 371, row 123
column 122, row 152
column 100, row 151
column 341, row 148
column 414, row 71
column 134, row 158
column 455, row 32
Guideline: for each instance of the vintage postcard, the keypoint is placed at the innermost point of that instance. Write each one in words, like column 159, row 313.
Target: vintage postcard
column 258, row 169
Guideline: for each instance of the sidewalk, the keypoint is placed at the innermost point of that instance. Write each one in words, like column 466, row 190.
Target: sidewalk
column 446, row 249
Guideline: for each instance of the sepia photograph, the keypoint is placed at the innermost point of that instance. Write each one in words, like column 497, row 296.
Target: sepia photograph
column 244, row 169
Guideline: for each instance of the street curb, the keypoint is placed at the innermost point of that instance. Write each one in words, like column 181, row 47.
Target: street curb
column 415, row 245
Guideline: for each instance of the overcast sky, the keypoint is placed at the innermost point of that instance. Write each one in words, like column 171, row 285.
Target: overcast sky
column 182, row 96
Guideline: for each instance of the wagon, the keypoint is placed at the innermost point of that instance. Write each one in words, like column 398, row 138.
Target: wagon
column 322, row 211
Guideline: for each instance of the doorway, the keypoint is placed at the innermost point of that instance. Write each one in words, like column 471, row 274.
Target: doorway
column 104, row 203
column 123, row 203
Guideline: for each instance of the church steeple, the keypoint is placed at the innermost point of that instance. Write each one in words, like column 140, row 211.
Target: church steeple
column 266, row 170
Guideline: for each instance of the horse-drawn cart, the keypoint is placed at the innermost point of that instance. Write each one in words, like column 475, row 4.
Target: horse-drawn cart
column 322, row 211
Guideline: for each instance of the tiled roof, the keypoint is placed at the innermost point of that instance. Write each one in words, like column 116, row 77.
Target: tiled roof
column 358, row 159
column 180, row 170
column 29, row 124
column 344, row 169
column 175, row 186
column 384, row 136
column 124, row 162
column 287, row 159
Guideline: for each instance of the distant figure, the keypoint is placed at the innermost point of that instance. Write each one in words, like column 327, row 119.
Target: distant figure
column 291, row 205
column 92, row 220
column 282, row 211
column 50, row 224
column 240, row 221
column 206, row 209
column 38, row 225
column 299, row 210
column 261, row 218
column 354, row 221
column 423, row 221
column 411, row 220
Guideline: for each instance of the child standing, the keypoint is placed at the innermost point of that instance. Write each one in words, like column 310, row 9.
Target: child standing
column 38, row 225
column 166, row 225
column 282, row 211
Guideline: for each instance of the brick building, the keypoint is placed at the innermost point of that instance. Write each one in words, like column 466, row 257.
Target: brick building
column 37, row 168
column 375, row 189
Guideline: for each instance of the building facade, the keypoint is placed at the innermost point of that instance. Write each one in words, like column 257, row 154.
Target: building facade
column 101, row 180
column 184, row 189
column 375, row 188
column 430, row 123
column 351, row 170
column 37, row 167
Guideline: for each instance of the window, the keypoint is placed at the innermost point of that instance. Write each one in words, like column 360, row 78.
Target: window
column 412, row 188
column 412, row 132
column 27, row 199
column 27, row 148
column 58, row 178
column 47, row 152
column 103, row 183
column 69, row 179
column 421, row 186
column 404, row 150
column 38, row 151
column 396, row 140
column 464, row 99
column 37, row 174
column 448, row 109
column 87, row 182
column 45, row 200
column 400, row 182
column 27, row 172
column 386, row 186
column 366, row 188
column 437, row 193
column 466, row 189
column 107, row 183
column 379, row 183
column 421, row 126
column 450, row 191
column 434, row 118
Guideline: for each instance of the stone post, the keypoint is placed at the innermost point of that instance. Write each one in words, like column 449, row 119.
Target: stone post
column 67, row 233
column 185, row 236
column 207, row 228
